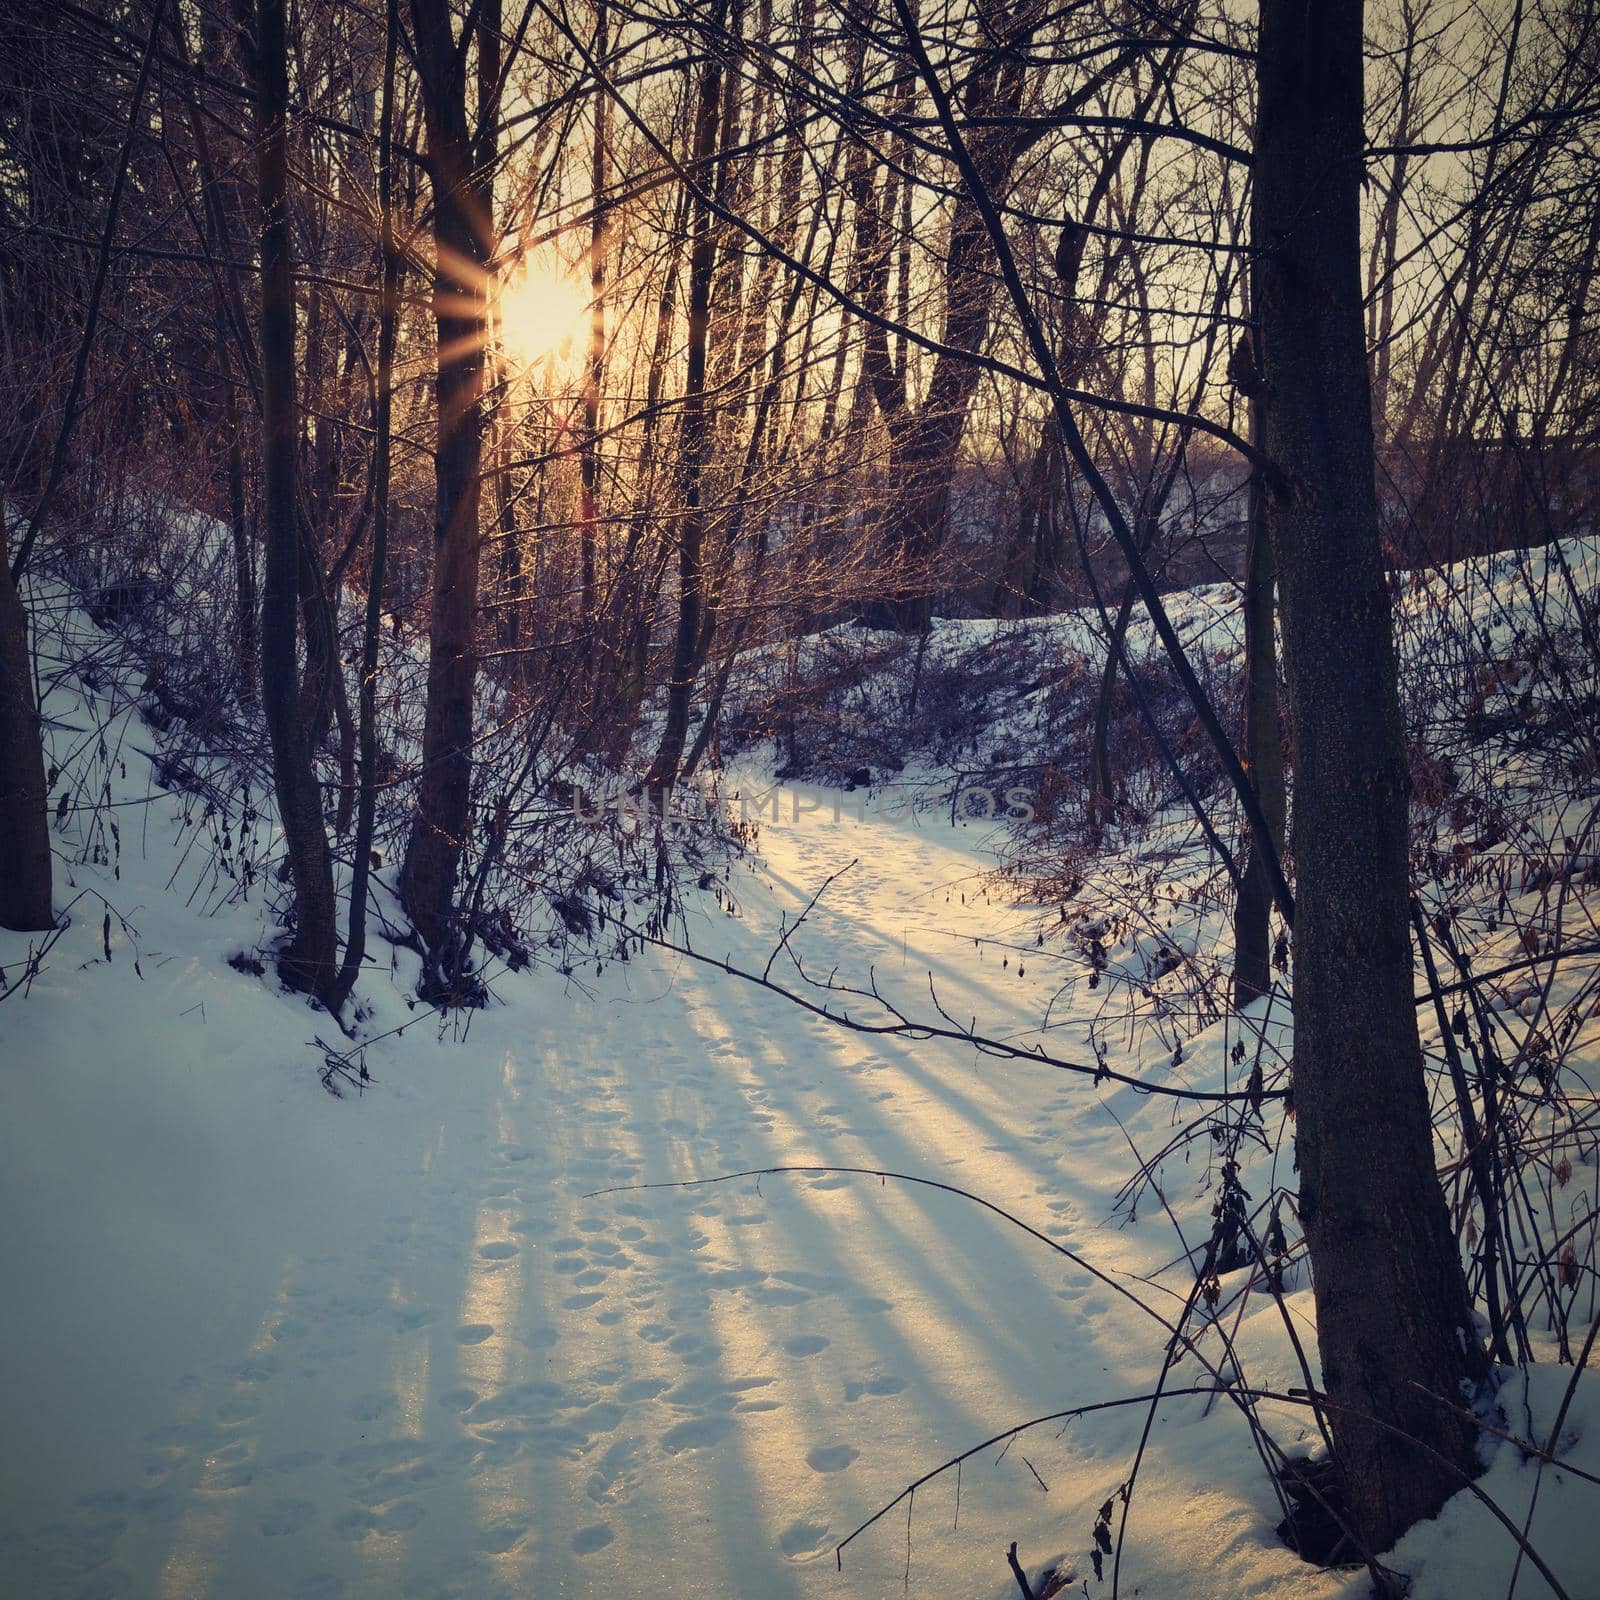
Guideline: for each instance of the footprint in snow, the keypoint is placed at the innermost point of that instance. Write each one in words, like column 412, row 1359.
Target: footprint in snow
column 805, row 1344
column 831, row 1457
column 803, row 1541
column 695, row 1434
column 780, row 1295
column 612, row 1479
column 587, row 1540
column 856, row 1387
column 401, row 1517
column 702, row 1394
column 642, row 1389
column 286, row 1516
column 497, row 1250
column 499, row 1538
column 474, row 1332
column 355, row 1525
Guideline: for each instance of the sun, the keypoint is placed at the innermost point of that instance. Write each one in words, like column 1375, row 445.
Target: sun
column 540, row 311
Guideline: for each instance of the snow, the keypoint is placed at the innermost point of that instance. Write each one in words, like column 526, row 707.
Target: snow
column 431, row 1340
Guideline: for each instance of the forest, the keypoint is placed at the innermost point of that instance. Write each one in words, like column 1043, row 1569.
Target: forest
column 799, row 796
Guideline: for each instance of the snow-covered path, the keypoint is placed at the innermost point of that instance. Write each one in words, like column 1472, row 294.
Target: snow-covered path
column 262, row 1344
column 258, row 1343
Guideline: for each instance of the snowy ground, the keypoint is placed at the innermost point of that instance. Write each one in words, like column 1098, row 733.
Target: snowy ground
column 261, row 1342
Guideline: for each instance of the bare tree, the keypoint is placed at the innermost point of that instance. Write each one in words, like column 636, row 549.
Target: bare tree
column 694, row 440
column 1394, row 1322
column 463, row 240
column 1263, row 728
column 308, row 960
column 383, row 401
column 25, row 868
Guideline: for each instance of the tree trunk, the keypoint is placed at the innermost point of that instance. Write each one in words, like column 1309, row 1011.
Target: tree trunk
column 24, row 820
column 462, row 229
column 513, row 588
column 631, row 600
column 696, row 437
column 316, row 679
column 1263, row 735
column 1102, row 784
column 244, row 571
column 1394, row 1320
column 383, row 407
column 594, row 370
column 307, row 963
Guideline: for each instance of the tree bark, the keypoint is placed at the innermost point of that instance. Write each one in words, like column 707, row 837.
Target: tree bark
column 244, row 571
column 594, row 370
column 307, row 962
column 695, row 436
column 25, row 865
column 1394, row 1319
column 383, row 408
column 462, row 230
column 1263, row 730
column 1102, row 784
